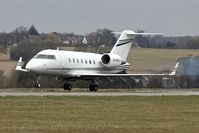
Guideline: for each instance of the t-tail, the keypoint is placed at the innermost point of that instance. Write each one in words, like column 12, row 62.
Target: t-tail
column 124, row 43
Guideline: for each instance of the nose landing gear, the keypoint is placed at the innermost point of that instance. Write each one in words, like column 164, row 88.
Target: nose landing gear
column 37, row 84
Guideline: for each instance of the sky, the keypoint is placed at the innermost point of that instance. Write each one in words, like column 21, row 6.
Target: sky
column 171, row 17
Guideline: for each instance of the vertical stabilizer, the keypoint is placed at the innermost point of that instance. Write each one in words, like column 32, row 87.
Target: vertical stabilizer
column 123, row 44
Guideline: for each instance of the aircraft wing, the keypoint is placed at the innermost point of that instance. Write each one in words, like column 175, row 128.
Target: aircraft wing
column 118, row 75
column 121, row 75
column 173, row 73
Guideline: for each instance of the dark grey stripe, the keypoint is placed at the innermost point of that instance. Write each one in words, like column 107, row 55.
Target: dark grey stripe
column 123, row 43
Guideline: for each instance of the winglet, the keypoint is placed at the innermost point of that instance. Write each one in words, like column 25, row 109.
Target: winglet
column 173, row 73
column 19, row 66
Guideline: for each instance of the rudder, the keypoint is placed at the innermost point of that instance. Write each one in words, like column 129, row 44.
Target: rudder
column 123, row 44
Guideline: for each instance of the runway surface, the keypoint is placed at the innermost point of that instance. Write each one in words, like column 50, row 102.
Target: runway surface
column 40, row 94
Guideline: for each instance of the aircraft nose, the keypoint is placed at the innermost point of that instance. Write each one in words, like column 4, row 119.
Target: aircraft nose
column 29, row 66
column 35, row 66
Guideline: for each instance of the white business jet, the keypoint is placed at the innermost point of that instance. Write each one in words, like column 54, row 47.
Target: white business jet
column 72, row 65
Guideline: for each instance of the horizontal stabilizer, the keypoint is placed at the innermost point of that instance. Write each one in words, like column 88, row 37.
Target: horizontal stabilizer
column 135, row 33
column 147, row 34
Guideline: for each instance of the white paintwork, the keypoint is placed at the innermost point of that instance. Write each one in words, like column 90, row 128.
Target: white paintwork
column 63, row 67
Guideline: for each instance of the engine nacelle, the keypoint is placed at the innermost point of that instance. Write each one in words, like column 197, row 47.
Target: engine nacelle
column 111, row 60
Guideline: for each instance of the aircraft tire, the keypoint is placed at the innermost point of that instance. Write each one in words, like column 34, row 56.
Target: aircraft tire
column 67, row 87
column 93, row 88
column 37, row 85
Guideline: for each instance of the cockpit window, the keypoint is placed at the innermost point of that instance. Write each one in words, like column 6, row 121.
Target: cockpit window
column 43, row 56
column 52, row 57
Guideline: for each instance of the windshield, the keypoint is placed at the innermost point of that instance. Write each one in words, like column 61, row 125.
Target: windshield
column 45, row 56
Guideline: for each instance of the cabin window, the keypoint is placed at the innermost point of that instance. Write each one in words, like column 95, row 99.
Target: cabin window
column 73, row 60
column 90, row 61
column 86, row 61
column 69, row 60
column 93, row 61
column 82, row 61
column 77, row 60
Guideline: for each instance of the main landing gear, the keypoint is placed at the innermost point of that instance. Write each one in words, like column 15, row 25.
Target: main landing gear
column 93, row 88
column 67, row 87
column 94, row 85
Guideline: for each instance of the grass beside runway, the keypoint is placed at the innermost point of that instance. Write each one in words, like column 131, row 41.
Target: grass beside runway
column 99, row 114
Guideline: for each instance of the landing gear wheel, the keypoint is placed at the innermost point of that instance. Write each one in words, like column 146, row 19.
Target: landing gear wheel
column 67, row 87
column 37, row 85
column 93, row 88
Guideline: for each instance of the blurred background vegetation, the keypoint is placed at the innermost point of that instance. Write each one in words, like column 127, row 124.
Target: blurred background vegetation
column 26, row 42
